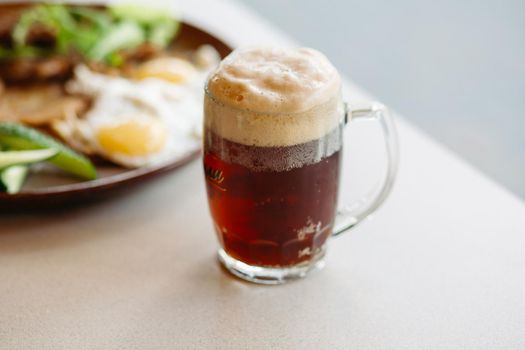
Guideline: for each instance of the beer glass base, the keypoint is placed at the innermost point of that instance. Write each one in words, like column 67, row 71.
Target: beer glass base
column 270, row 275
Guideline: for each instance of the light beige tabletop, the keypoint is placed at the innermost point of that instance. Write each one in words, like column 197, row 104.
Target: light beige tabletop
column 440, row 266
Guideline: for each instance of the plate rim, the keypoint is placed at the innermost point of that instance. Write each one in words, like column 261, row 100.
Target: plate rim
column 111, row 180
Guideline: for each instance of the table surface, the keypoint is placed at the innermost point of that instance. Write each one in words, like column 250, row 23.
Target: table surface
column 440, row 265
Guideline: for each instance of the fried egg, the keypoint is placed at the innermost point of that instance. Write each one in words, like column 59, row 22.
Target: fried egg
column 151, row 119
column 170, row 69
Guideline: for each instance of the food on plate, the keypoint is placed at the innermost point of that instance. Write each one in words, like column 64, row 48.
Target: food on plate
column 105, row 81
column 171, row 69
column 136, row 122
column 18, row 137
column 14, row 166
column 21, row 146
column 39, row 104
column 12, row 178
column 10, row 158
column 46, row 40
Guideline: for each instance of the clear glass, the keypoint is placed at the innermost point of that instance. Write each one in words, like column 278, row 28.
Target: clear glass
column 274, row 207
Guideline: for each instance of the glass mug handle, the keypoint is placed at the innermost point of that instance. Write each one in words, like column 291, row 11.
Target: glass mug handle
column 351, row 215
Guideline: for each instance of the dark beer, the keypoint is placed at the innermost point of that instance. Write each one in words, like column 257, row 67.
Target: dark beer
column 273, row 206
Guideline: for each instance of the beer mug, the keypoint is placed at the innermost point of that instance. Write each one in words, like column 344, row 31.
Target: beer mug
column 273, row 139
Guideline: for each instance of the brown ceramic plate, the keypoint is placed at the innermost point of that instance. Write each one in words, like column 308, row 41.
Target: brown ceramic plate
column 52, row 190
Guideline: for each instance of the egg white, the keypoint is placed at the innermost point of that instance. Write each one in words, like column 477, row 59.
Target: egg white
column 178, row 108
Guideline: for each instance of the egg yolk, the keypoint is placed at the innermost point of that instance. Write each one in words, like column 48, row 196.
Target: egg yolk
column 133, row 138
column 174, row 70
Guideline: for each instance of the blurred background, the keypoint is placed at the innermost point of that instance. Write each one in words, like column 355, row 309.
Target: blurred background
column 454, row 68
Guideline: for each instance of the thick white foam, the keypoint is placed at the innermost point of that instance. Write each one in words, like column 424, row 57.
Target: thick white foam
column 273, row 97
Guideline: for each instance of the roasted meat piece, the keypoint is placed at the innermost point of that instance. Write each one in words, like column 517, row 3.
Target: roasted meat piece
column 39, row 105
